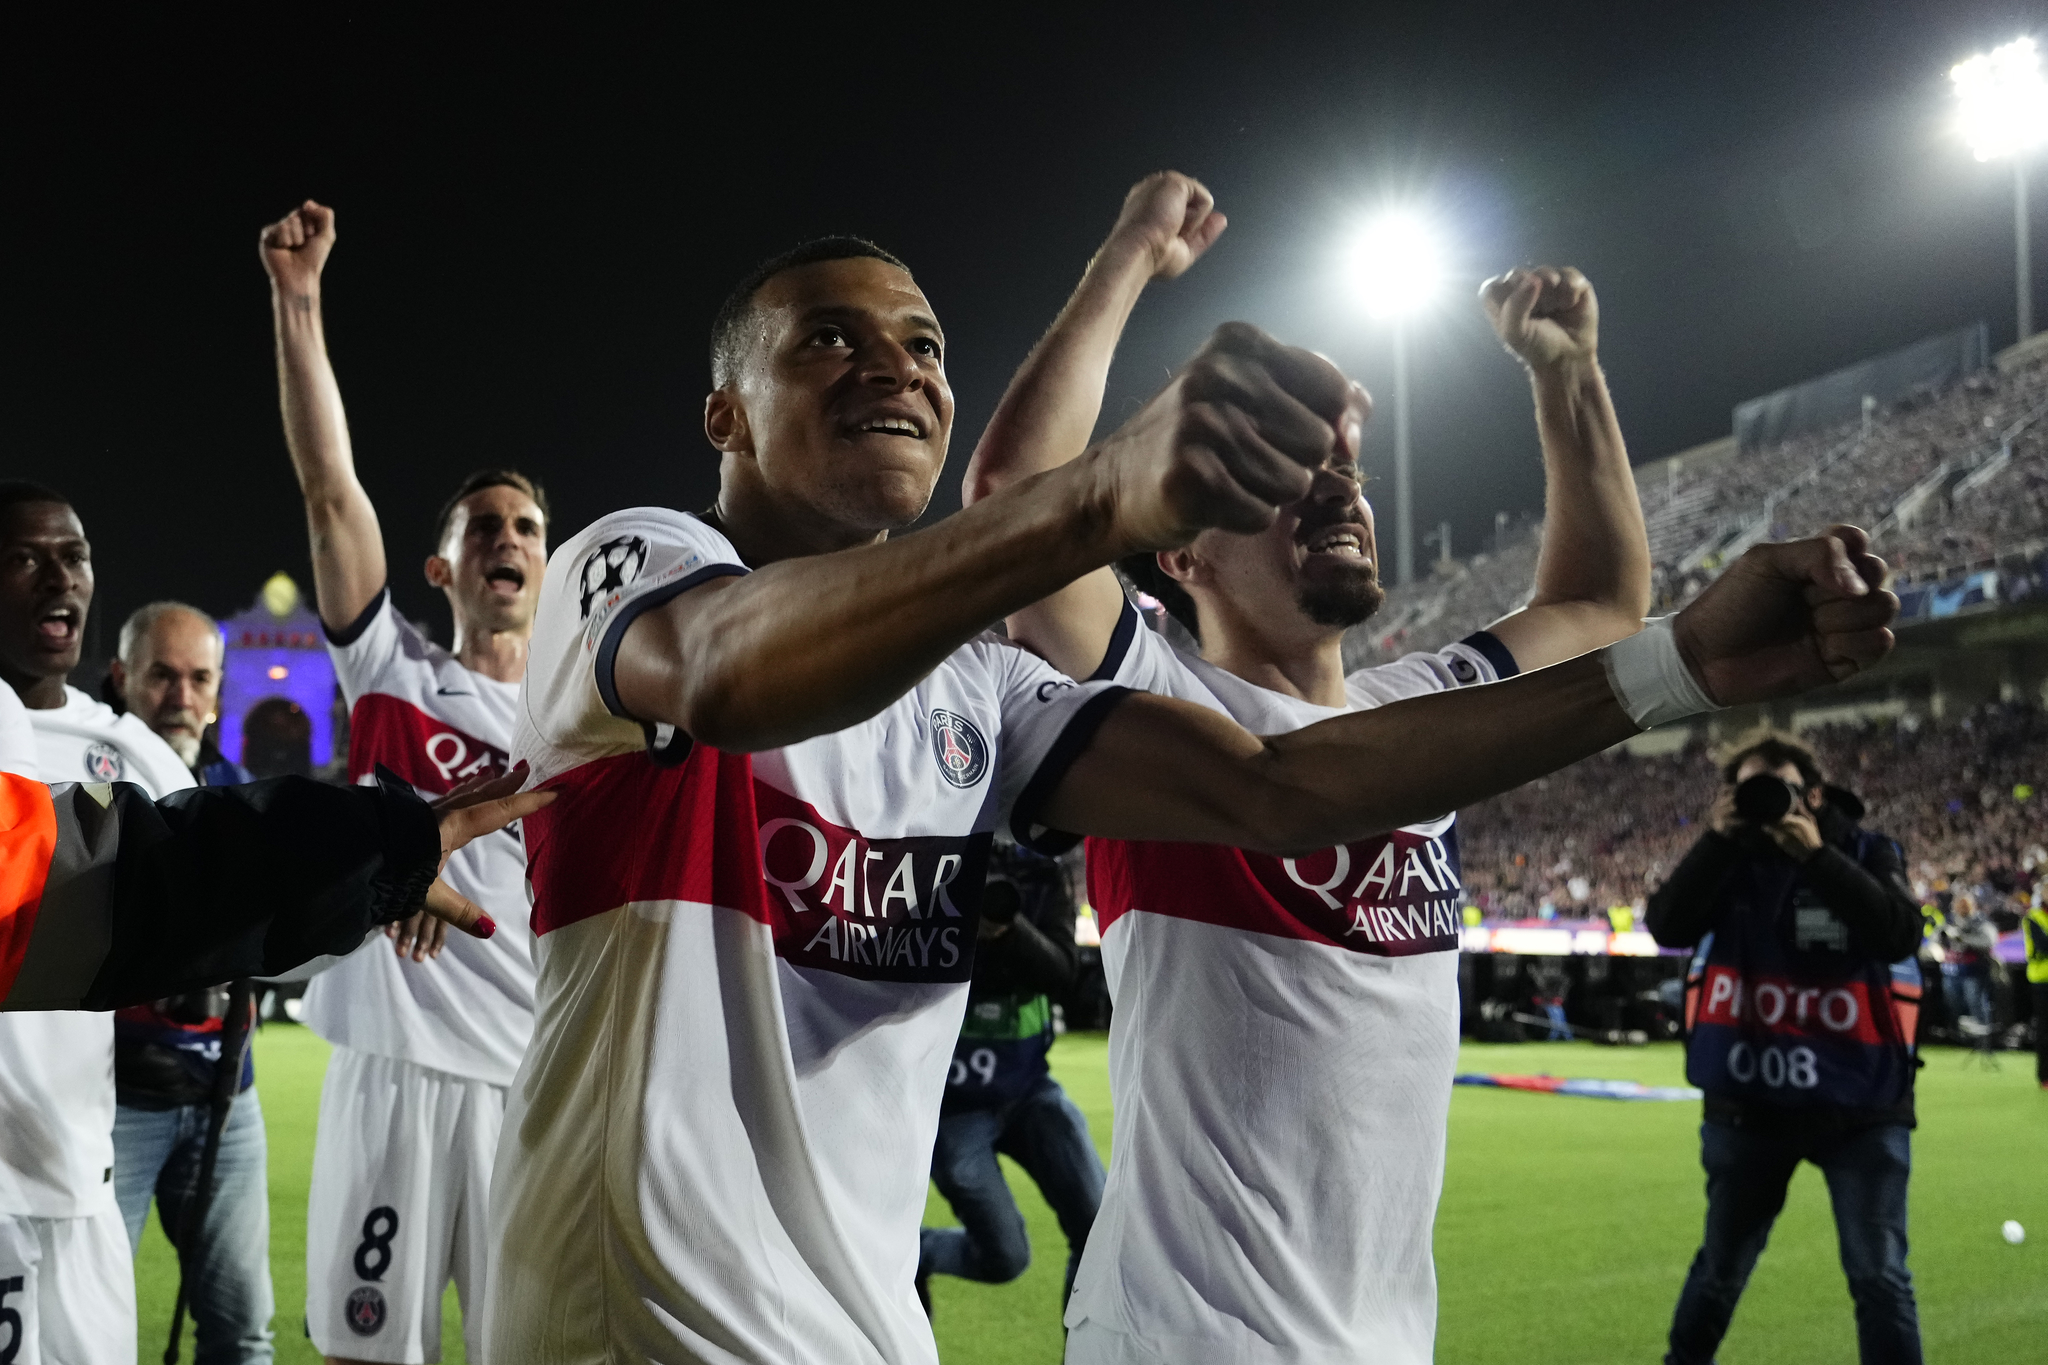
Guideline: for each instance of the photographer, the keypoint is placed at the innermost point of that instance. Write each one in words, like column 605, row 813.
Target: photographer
column 1000, row 1095
column 1800, row 1006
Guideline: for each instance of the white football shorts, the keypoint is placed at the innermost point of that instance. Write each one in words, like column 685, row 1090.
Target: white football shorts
column 401, row 1185
column 67, row 1290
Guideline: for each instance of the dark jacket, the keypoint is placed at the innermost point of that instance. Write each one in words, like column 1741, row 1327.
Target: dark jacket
column 165, row 1051
column 1008, row 1031
column 1860, row 880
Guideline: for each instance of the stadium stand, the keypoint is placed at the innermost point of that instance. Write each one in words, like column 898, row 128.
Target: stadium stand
column 1960, row 798
column 1953, row 484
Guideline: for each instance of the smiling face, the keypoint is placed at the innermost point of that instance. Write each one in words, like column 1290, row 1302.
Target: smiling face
column 1317, row 564
column 841, row 413
column 491, row 561
column 45, row 592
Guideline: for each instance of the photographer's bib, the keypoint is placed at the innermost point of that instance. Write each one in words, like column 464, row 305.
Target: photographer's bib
column 1779, row 1012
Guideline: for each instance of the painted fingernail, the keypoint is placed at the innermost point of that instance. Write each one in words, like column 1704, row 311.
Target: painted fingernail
column 485, row 926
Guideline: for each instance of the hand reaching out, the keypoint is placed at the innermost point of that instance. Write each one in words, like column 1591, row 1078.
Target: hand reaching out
column 1168, row 219
column 295, row 247
column 1548, row 316
column 480, row 806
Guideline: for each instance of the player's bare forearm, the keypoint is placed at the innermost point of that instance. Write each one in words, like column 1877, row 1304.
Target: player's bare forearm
column 1168, row 770
column 811, row 645
column 1593, row 569
column 341, row 523
column 1044, row 420
column 1049, row 410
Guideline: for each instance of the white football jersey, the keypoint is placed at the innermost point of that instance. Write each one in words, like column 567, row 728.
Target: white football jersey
column 17, row 738
column 57, row 1067
column 415, row 710
column 1281, row 1053
column 753, row 969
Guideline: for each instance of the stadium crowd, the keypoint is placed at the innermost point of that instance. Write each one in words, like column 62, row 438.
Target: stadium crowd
column 1984, row 435
column 1961, row 798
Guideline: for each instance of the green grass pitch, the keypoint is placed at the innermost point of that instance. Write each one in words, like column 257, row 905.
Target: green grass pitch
column 1565, row 1228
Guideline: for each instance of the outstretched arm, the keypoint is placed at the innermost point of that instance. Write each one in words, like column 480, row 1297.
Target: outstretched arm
column 108, row 899
column 1593, row 570
column 348, row 545
column 768, row 659
column 1783, row 619
column 1049, row 411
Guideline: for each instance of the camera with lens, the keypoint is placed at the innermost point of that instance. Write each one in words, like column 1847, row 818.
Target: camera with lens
column 1765, row 799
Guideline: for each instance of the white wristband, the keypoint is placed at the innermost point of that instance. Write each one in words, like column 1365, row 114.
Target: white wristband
column 1650, row 679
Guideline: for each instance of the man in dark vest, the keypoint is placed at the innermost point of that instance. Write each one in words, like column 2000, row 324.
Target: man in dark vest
column 1000, row 1094
column 1800, row 1008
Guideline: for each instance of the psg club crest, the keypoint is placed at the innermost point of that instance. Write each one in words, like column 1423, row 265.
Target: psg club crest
column 365, row 1311
column 609, row 567
column 961, row 751
column 103, row 763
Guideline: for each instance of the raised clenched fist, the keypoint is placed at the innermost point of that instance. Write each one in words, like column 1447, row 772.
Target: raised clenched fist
column 295, row 247
column 1236, row 435
column 1168, row 220
column 1788, row 618
column 1547, row 315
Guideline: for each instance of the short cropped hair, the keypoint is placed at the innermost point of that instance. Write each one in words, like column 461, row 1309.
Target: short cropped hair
column 16, row 491
column 1142, row 571
column 1776, row 749
column 490, row 478
column 142, row 620
column 729, row 327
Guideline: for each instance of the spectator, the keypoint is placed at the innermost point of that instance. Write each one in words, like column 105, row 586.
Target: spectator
column 168, row 674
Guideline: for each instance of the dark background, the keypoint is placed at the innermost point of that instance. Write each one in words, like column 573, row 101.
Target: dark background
column 537, row 220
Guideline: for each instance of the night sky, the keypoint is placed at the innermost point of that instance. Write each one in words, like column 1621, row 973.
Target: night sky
column 536, row 224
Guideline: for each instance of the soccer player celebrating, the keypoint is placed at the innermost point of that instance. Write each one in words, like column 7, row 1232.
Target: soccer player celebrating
column 1286, row 1029
column 783, row 740
column 62, row 1244
column 414, row 1094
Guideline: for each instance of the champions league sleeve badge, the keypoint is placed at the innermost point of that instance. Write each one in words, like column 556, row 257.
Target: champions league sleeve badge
column 609, row 567
column 103, row 763
column 961, row 751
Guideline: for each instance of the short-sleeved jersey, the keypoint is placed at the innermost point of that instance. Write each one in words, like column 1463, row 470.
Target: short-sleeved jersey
column 753, row 968
column 1281, row 1054
column 17, row 738
column 417, row 711
column 57, row 1067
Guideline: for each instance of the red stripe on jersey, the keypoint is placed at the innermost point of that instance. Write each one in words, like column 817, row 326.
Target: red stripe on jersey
column 424, row 750
column 626, row 829
column 28, row 836
column 1393, row 896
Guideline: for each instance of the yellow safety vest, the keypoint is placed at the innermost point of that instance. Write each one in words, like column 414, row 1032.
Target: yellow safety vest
column 2036, row 927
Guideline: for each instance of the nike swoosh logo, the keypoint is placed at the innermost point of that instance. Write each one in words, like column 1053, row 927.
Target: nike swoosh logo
column 445, row 692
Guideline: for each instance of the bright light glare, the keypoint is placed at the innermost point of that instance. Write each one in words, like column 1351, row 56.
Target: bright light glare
column 2004, row 100
column 1396, row 265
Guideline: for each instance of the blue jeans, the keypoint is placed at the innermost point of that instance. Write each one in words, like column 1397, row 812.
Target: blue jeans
column 157, row 1152
column 1045, row 1134
column 1746, row 1178
column 1969, row 991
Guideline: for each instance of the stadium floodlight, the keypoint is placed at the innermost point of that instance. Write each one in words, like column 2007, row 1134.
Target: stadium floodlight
column 1396, row 265
column 2003, row 112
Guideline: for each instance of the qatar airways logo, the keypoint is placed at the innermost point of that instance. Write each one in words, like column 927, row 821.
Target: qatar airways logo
column 425, row 750
column 884, row 909
column 1393, row 896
